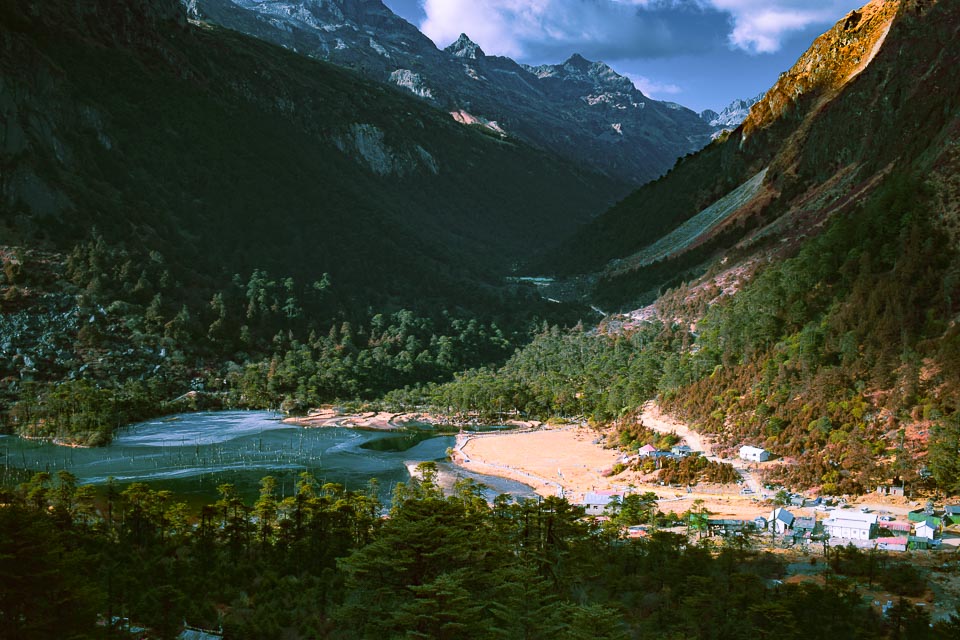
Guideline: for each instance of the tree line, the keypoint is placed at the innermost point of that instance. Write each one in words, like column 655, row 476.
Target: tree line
column 323, row 563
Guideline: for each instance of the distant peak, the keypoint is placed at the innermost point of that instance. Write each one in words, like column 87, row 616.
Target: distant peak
column 464, row 47
column 577, row 61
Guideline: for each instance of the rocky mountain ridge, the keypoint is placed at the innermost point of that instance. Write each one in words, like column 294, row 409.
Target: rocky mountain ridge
column 580, row 109
column 850, row 111
column 732, row 115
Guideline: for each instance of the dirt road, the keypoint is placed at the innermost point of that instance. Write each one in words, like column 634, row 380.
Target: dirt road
column 655, row 419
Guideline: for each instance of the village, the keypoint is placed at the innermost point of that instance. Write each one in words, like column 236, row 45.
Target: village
column 804, row 521
column 571, row 461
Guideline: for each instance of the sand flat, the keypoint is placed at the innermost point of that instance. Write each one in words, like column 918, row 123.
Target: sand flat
column 554, row 457
column 546, row 459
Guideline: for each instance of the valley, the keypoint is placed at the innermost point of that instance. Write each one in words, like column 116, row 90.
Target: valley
column 310, row 328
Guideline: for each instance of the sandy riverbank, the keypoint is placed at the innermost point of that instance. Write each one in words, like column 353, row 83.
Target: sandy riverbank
column 573, row 458
column 379, row 420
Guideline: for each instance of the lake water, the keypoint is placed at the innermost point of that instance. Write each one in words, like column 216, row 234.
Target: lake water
column 191, row 454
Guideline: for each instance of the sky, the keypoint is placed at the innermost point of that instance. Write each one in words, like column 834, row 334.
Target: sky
column 700, row 53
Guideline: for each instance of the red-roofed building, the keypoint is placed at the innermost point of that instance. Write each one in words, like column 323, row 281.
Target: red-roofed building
column 892, row 544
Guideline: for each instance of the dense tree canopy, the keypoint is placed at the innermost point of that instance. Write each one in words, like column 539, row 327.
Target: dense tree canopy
column 323, row 563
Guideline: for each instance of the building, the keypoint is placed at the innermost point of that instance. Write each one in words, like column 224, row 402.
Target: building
column 952, row 513
column 647, row 450
column 892, row 544
column 596, row 502
column 195, row 633
column 851, row 525
column 681, row 450
column 890, row 490
column 916, row 542
column 897, row 527
column 637, row 531
column 781, row 520
column 805, row 524
column 917, row 515
column 727, row 527
column 754, row 454
column 927, row 529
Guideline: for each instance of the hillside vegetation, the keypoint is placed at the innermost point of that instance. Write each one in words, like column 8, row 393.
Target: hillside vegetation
column 178, row 201
column 824, row 325
column 321, row 564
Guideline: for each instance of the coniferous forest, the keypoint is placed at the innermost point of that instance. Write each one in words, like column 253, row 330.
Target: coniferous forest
column 323, row 563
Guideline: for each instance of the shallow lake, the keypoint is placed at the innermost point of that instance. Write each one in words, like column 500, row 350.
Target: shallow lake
column 191, row 454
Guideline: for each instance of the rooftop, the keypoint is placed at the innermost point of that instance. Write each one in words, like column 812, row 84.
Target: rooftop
column 750, row 449
column 842, row 515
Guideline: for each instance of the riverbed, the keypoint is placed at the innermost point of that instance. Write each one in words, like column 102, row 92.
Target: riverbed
column 192, row 454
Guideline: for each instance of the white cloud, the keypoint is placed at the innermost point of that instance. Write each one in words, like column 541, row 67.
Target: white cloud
column 760, row 26
column 541, row 29
column 653, row 88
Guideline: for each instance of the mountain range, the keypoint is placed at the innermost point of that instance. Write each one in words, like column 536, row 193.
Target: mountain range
column 164, row 135
column 732, row 115
column 579, row 109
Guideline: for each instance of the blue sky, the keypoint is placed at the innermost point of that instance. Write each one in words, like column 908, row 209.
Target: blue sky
column 700, row 53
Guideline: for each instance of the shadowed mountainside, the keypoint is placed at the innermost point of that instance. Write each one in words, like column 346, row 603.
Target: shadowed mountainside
column 227, row 153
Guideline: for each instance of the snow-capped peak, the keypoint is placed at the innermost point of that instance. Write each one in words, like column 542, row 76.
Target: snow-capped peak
column 464, row 47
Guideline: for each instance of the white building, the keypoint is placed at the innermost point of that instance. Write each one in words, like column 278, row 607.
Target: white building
column 781, row 520
column 754, row 454
column 926, row 529
column 596, row 502
column 851, row 525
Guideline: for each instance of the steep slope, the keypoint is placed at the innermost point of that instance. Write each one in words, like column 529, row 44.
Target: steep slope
column 579, row 109
column 232, row 153
column 825, row 326
column 792, row 130
column 814, row 267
